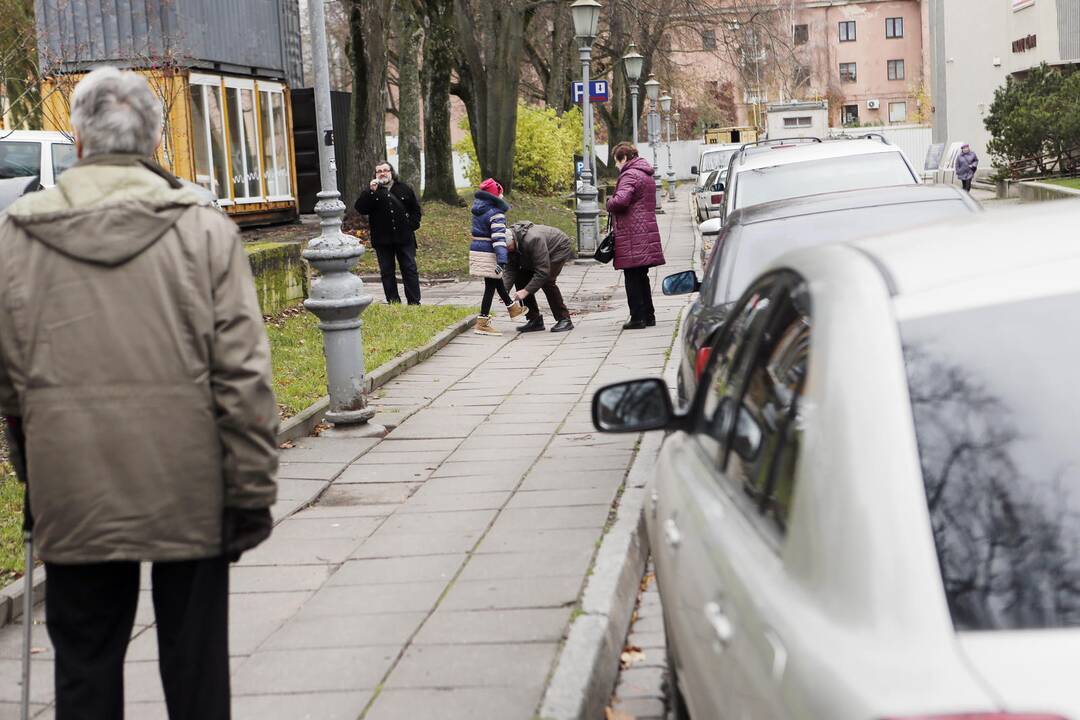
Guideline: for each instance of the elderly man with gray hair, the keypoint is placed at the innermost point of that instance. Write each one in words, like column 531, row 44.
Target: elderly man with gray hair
column 134, row 370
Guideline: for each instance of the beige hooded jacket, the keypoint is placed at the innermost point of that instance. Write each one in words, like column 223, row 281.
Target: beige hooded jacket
column 132, row 346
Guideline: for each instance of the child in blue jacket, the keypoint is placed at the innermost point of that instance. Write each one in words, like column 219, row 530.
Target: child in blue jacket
column 487, row 252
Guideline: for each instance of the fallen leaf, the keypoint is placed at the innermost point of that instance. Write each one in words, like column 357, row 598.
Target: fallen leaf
column 610, row 714
column 630, row 655
column 37, row 650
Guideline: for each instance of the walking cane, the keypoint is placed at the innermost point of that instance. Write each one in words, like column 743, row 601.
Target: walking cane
column 17, row 445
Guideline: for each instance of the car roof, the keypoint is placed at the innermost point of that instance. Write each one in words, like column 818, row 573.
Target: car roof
column 846, row 200
column 987, row 249
column 760, row 156
column 35, row 136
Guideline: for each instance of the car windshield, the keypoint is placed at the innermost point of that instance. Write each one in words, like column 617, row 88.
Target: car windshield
column 63, row 157
column 715, row 160
column 20, row 159
column 758, row 244
column 851, row 172
column 995, row 409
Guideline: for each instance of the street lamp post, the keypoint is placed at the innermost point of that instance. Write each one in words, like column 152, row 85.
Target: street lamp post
column 337, row 295
column 675, row 117
column 586, row 15
column 652, row 89
column 665, row 107
column 632, row 63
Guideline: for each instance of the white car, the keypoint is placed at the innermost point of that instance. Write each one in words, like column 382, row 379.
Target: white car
column 35, row 153
column 710, row 197
column 872, row 507
column 711, row 157
column 777, row 170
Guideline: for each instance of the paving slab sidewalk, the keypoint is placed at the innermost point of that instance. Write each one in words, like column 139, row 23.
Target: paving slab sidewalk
column 438, row 570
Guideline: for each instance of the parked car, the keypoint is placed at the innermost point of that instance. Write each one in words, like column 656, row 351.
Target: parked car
column 711, row 157
column 35, row 153
column 777, row 170
column 710, row 198
column 755, row 236
column 870, row 508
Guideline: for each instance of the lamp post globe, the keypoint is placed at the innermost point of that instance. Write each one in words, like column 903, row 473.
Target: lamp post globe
column 586, row 14
column 633, row 63
column 665, row 107
column 652, row 88
column 665, row 103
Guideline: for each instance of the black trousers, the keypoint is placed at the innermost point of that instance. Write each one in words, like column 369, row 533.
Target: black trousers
column 966, row 184
column 492, row 286
column 90, row 611
column 405, row 255
column 551, row 292
column 638, row 293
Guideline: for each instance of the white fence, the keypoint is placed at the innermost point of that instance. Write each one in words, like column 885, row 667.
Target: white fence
column 914, row 140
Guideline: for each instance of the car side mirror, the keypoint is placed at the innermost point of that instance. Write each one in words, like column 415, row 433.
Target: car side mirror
column 746, row 440
column 681, row 283
column 712, row 226
column 633, row 406
column 693, row 170
column 719, row 187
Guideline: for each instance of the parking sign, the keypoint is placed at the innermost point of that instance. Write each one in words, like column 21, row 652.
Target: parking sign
column 598, row 91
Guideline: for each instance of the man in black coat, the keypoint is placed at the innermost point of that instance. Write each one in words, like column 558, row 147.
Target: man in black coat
column 394, row 216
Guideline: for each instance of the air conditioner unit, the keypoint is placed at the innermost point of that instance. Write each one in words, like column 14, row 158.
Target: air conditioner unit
column 873, row 104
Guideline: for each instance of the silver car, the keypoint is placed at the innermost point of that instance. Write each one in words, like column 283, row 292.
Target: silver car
column 872, row 507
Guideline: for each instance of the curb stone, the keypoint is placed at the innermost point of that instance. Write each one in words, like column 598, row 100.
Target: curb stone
column 301, row 424
column 586, row 670
column 296, row 427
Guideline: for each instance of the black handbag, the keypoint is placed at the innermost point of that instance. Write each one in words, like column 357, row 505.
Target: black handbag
column 605, row 251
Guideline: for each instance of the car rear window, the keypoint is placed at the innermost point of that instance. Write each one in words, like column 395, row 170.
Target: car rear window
column 715, row 160
column 20, row 159
column 995, row 409
column 762, row 242
column 852, row 172
column 63, row 157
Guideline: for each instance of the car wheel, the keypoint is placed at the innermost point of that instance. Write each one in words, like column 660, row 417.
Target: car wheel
column 676, row 703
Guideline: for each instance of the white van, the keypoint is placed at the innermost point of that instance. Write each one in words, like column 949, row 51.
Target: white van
column 711, row 157
column 35, row 153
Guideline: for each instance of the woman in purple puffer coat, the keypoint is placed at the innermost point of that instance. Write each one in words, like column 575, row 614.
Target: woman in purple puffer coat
column 637, row 237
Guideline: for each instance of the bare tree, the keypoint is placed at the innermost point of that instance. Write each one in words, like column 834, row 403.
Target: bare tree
column 435, row 78
column 19, row 90
column 368, row 48
column 408, row 32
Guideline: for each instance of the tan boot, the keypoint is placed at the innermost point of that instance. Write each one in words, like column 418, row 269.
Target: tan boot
column 515, row 309
column 484, row 326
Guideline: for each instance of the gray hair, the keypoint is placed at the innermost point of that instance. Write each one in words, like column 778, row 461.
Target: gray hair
column 115, row 111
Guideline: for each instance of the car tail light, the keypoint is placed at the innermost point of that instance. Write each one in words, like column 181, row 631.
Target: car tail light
column 701, row 361
column 716, row 198
column 983, row 716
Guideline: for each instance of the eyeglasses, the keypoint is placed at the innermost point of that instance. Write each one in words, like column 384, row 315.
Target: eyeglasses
column 382, row 172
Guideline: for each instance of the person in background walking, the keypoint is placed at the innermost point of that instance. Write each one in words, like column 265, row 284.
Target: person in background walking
column 133, row 349
column 537, row 254
column 637, row 236
column 487, row 252
column 967, row 162
column 394, row 216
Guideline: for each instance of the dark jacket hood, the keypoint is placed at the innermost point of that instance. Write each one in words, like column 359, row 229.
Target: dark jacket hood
column 484, row 201
column 105, row 210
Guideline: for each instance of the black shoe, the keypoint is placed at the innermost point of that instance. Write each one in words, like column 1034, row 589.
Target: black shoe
column 534, row 325
column 634, row 324
column 650, row 321
column 563, row 325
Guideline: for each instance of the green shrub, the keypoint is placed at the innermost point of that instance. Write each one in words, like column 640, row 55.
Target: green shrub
column 1035, row 117
column 543, row 152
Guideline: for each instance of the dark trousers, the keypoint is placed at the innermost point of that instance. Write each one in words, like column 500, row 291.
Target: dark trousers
column 492, row 286
column 638, row 293
column 551, row 292
column 966, row 184
column 410, row 277
column 90, row 611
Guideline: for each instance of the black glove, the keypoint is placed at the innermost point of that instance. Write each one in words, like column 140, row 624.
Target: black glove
column 242, row 529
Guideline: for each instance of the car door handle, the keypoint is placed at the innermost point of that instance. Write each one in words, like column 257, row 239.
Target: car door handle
column 721, row 624
column 671, row 533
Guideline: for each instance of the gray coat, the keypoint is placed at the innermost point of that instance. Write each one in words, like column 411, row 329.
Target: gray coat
column 133, row 348
column 538, row 248
column 966, row 165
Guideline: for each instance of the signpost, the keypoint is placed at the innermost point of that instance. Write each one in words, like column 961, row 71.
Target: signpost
column 598, row 91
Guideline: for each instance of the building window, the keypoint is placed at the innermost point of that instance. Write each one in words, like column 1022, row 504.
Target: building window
column 275, row 144
column 847, row 31
column 897, row 112
column 708, row 39
column 847, row 72
column 755, row 96
column 802, row 76
column 802, row 34
column 896, row 69
column 208, row 130
column 803, row 121
column 894, row 27
column 243, row 141
column 850, row 115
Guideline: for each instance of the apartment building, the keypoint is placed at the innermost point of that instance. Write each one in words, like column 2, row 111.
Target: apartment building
column 865, row 57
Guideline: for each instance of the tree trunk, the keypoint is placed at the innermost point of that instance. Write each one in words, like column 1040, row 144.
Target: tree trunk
column 408, row 38
column 491, row 39
column 369, row 61
column 438, row 67
column 563, row 61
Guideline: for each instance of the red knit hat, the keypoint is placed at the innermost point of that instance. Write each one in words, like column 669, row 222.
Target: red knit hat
column 490, row 186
